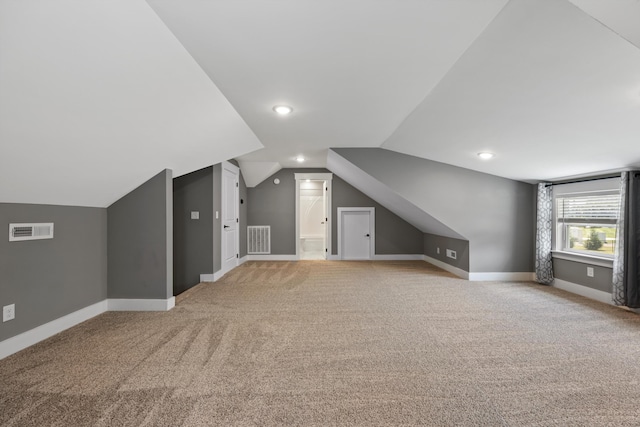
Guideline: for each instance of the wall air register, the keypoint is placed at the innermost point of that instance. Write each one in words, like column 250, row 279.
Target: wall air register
column 258, row 239
column 34, row 231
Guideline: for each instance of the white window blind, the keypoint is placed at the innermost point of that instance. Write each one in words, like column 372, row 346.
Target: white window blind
column 602, row 208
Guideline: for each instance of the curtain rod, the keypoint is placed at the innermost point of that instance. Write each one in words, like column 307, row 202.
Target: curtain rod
column 582, row 180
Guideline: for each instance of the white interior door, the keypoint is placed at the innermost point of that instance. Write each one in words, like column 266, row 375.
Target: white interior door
column 327, row 228
column 230, row 217
column 356, row 230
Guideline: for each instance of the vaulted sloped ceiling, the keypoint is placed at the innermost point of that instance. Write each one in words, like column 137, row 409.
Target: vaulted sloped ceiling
column 547, row 88
column 352, row 70
column 96, row 97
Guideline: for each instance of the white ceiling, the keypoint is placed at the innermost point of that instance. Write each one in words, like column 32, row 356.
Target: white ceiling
column 352, row 70
column 96, row 97
column 547, row 88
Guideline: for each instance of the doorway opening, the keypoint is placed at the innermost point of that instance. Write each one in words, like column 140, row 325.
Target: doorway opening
column 313, row 216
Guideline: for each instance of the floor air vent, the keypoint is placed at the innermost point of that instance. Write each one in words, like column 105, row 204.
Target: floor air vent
column 258, row 239
column 38, row 231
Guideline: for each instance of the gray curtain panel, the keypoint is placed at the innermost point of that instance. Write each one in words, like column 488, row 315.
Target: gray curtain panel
column 626, row 273
column 544, row 225
column 618, row 294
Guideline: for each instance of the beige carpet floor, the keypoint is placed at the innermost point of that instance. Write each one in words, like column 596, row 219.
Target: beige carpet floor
column 338, row 344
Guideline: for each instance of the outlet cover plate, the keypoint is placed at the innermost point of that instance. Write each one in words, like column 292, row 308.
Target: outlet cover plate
column 8, row 312
column 589, row 271
column 452, row 254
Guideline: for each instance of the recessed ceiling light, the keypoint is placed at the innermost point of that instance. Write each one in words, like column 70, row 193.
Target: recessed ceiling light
column 485, row 155
column 283, row 110
column 300, row 159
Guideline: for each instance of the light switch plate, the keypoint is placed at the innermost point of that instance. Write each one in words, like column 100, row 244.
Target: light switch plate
column 195, row 215
column 589, row 271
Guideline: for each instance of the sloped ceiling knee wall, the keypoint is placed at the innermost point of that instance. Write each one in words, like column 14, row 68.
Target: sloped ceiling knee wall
column 496, row 215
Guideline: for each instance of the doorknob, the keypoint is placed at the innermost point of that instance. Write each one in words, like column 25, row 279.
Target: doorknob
column 367, row 235
column 226, row 226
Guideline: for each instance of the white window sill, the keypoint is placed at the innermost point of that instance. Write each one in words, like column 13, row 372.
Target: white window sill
column 585, row 259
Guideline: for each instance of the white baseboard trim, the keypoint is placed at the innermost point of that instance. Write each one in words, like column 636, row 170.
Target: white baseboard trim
column 242, row 260
column 42, row 332
column 450, row 268
column 211, row 277
column 584, row 291
column 272, row 258
column 502, row 277
column 482, row 276
column 398, row 257
column 26, row 339
column 331, row 257
column 122, row 304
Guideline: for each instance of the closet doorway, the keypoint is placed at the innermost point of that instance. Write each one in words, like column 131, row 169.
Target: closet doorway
column 313, row 216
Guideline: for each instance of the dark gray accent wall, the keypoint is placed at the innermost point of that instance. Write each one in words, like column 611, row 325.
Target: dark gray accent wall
column 192, row 238
column 275, row 205
column 393, row 234
column 576, row 272
column 140, row 241
column 48, row 279
column 434, row 242
column 217, row 222
column 243, row 216
column 495, row 214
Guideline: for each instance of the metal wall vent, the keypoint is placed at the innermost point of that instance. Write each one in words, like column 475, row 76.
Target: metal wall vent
column 37, row 231
column 258, row 239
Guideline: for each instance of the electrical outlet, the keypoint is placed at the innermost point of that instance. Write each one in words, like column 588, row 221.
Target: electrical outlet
column 8, row 312
column 451, row 253
column 438, row 250
column 195, row 215
column 589, row 271
column 217, row 215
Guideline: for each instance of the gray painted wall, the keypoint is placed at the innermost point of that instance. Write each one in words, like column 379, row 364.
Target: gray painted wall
column 243, row 216
column 48, row 279
column 432, row 242
column 192, row 238
column 199, row 243
column 576, row 272
column 495, row 214
column 275, row 205
column 140, row 241
column 393, row 234
column 217, row 222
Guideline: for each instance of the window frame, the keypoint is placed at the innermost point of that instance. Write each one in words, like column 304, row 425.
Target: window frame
column 560, row 237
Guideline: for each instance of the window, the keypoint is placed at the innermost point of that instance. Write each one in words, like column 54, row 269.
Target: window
column 586, row 222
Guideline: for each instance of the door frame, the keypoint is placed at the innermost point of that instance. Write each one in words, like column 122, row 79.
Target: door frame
column 327, row 178
column 372, row 224
column 235, row 170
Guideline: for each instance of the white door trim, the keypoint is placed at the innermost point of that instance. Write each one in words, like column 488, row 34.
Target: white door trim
column 326, row 177
column 234, row 169
column 372, row 242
